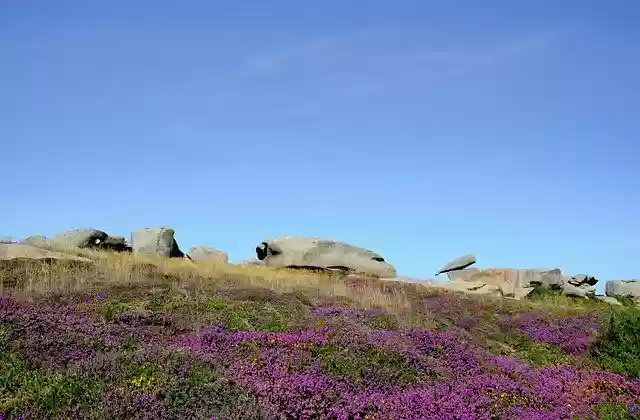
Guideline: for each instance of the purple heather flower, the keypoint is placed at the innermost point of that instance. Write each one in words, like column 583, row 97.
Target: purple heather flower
column 573, row 334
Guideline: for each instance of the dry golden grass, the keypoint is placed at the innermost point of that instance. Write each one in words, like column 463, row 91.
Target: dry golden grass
column 26, row 279
column 29, row 278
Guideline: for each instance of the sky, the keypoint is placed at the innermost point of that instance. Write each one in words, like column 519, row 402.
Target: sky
column 422, row 130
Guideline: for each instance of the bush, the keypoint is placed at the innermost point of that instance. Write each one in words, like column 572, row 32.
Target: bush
column 618, row 347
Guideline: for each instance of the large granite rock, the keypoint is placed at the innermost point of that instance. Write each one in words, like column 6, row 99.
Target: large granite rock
column 513, row 282
column 582, row 291
column 159, row 242
column 462, row 275
column 579, row 285
column 516, row 282
column 79, row 238
column 29, row 252
column 470, row 287
column 519, row 277
column 458, row 264
column 115, row 243
column 624, row 288
column 207, row 254
column 36, row 240
column 300, row 251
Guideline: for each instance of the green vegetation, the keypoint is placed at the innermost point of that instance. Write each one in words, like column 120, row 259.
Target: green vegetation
column 618, row 347
column 44, row 394
column 368, row 364
column 126, row 339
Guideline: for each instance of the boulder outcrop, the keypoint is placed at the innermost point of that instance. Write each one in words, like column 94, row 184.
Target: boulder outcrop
column 459, row 263
column 115, row 243
column 36, row 240
column 515, row 282
column 80, row 238
column 309, row 252
column 157, row 241
column 30, row 252
column 207, row 254
column 624, row 288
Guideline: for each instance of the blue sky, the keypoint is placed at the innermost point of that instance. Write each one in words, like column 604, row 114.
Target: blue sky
column 419, row 129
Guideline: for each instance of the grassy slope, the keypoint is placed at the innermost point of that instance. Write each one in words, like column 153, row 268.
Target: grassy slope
column 133, row 337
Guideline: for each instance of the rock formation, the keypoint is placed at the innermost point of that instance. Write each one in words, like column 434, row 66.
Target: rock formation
column 308, row 252
column 115, row 243
column 207, row 254
column 159, row 242
column 459, row 263
column 81, row 238
column 512, row 282
column 624, row 288
column 30, row 252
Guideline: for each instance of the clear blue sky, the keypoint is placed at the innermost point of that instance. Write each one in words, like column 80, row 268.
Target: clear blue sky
column 419, row 129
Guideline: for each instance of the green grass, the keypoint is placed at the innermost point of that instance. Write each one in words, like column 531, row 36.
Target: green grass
column 253, row 303
column 612, row 411
column 536, row 353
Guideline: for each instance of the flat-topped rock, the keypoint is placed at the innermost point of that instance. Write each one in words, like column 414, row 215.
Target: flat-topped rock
column 624, row 288
column 458, row 264
column 24, row 251
column 300, row 251
column 208, row 254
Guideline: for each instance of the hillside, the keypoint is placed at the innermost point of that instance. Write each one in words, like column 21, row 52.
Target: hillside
column 131, row 337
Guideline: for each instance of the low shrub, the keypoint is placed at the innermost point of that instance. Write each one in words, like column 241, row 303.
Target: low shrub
column 618, row 347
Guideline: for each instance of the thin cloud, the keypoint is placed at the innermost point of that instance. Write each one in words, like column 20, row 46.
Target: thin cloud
column 290, row 56
column 355, row 66
column 325, row 52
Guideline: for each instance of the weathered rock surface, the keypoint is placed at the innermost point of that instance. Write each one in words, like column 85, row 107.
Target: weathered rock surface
column 251, row 263
column 517, row 282
column 470, row 287
column 207, row 254
column 158, row 241
column 300, row 251
column 24, row 251
column 511, row 282
column 626, row 288
column 462, row 275
column 458, row 264
column 582, row 279
column 582, row 291
column 36, row 240
column 115, row 243
column 80, row 238
column 580, row 285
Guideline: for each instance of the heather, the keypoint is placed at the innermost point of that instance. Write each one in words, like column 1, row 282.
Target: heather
column 126, row 340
